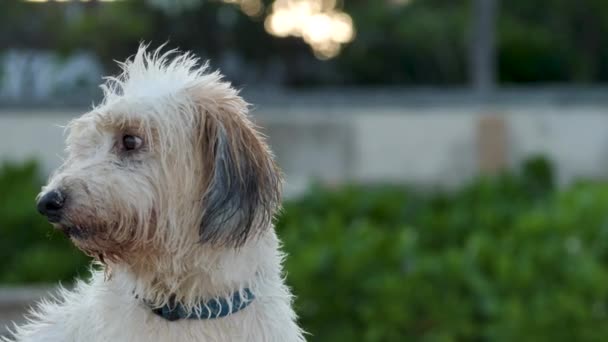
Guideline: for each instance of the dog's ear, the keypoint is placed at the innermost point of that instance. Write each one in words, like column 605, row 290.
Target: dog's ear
column 243, row 187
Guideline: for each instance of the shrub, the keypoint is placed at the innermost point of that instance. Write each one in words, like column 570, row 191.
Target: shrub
column 31, row 252
column 503, row 259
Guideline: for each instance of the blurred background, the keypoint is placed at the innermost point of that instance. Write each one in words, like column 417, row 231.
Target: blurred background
column 446, row 160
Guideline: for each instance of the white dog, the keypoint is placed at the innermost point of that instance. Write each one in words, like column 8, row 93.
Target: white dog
column 169, row 186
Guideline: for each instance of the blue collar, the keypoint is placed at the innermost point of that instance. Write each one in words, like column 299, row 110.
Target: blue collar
column 213, row 308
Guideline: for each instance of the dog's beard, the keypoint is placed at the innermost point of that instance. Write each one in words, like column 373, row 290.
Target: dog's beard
column 104, row 248
column 103, row 241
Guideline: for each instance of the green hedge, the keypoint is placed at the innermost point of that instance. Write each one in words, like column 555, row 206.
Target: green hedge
column 503, row 259
column 30, row 250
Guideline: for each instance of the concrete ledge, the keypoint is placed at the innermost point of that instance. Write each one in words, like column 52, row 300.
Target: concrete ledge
column 432, row 145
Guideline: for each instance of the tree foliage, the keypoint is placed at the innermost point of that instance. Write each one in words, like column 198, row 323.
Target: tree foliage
column 398, row 42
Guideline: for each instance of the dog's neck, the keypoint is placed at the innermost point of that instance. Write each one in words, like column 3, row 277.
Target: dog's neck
column 210, row 273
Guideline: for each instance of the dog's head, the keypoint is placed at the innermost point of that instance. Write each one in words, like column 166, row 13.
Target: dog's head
column 168, row 162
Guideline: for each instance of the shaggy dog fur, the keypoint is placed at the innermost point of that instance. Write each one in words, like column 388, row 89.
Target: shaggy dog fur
column 170, row 187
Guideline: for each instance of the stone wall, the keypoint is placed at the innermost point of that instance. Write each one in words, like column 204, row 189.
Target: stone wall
column 429, row 146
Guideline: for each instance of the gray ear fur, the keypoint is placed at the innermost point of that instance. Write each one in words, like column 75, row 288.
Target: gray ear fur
column 244, row 188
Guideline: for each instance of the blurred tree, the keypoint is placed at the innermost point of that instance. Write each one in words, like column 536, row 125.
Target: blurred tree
column 566, row 41
column 113, row 31
column 397, row 41
column 483, row 50
column 418, row 42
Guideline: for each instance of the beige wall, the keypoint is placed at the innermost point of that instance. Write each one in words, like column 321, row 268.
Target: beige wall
column 428, row 146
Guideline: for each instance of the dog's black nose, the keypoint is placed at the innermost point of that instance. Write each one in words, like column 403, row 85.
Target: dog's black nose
column 51, row 204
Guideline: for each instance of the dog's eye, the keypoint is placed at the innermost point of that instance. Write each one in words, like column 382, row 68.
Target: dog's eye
column 131, row 142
